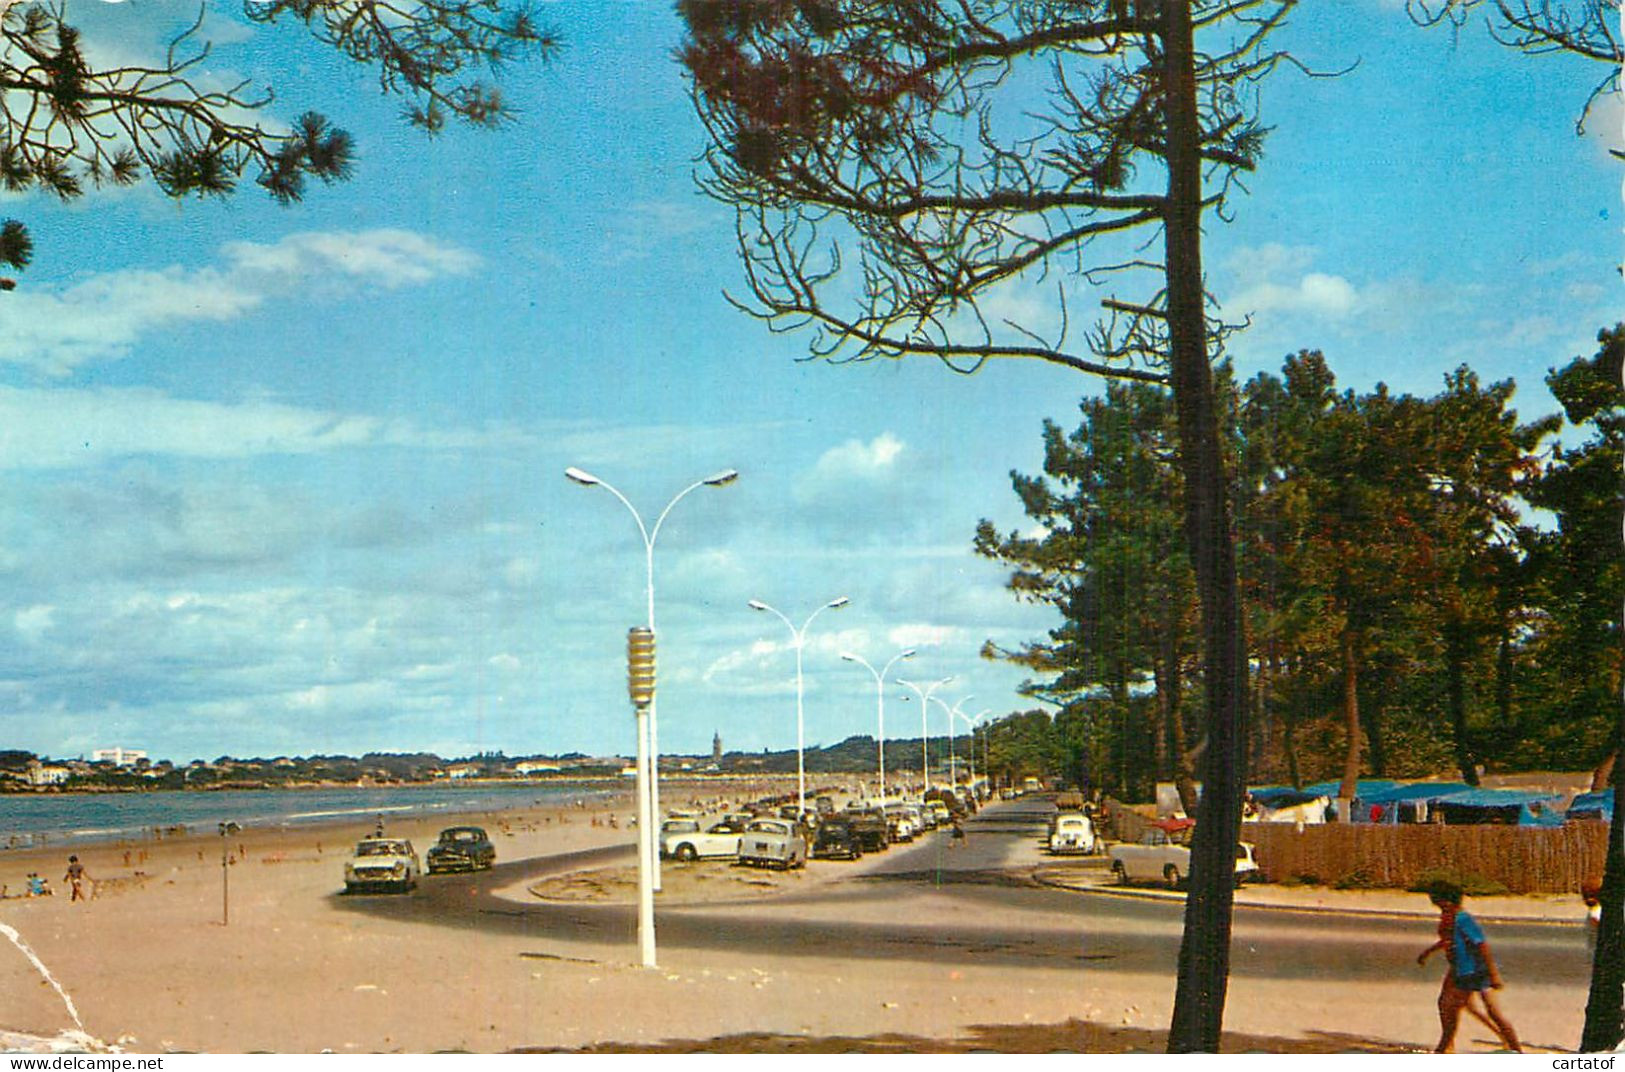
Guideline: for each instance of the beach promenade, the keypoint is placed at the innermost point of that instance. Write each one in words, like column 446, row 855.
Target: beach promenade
column 928, row 947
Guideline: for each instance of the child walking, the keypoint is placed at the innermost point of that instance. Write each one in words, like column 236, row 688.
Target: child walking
column 1472, row 971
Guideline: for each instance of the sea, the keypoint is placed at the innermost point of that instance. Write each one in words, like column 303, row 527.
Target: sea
column 69, row 818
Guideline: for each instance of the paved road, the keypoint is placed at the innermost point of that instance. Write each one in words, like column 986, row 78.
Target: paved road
column 934, row 902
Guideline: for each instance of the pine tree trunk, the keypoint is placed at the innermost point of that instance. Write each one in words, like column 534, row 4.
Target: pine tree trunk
column 1204, row 952
column 1350, row 785
column 1605, row 1003
column 1455, row 656
column 1371, row 708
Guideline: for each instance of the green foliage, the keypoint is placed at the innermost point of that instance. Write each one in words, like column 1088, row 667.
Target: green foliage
column 70, row 125
column 1435, row 879
column 1383, row 540
column 1358, row 879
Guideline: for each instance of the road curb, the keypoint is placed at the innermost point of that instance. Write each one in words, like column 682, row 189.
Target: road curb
column 1049, row 879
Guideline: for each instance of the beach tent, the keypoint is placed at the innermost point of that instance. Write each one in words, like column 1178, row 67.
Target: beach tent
column 1403, row 803
column 1281, row 796
column 1362, row 788
column 1506, row 806
column 1597, row 805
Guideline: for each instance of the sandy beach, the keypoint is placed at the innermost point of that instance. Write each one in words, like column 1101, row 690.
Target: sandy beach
column 151, row 967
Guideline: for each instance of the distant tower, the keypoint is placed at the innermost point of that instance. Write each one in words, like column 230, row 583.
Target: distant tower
column 716, row 748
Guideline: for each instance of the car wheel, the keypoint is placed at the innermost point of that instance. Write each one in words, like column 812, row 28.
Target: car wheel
column 1170, row 875
column 686, row 853
column 1119, row 873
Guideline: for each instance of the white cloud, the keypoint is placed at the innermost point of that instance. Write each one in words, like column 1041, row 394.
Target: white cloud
column 855, row 458
column 51, row 429
column 1315, row 293
column 32, row 622
column 103, row 317
column 920, row 635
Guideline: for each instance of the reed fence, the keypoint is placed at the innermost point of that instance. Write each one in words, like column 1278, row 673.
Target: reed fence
column 1523, row 859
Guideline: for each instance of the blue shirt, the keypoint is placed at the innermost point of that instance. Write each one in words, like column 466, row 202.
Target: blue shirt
column 1465, row 939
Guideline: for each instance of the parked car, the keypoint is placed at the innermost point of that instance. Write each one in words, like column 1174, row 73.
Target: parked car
column 683, row 839
column 461, row 848
column 940, row 812
column 1155, row 857
column 836, row 837
column 870, row 827
column 903, row 822
column 773, row 843
column 1072, row 832
column 382, row 863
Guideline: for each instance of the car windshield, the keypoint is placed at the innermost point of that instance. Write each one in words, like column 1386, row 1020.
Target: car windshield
column 381, row 848
column 765, row 826
column 1070, row 824
column 680, row 826
column 462, row 835
column 724, row 828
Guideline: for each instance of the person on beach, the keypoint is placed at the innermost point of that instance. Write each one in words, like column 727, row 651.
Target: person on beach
column 76, row 879
column 1591, row 894
column 1472, row 971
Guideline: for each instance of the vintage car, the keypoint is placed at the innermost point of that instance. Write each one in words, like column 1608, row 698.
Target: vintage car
column 940, row 810
column 870, row 827
column 1071, row 832
column 903, row 822
column 836, row 837
column 460, row 848
column 685, row 840
column 382, row 863
column 1155, row 856
column 773, row 843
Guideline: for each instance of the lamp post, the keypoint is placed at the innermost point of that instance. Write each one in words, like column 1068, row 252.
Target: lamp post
column 651, row 726
column 226, row 830
column 974, row 721
column 924, row 693
column 799, row 637
column 950, row 713
column 880, row 702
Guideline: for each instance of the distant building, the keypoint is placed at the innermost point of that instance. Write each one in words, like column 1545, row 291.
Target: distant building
column 40, row 774
column 463, row 770
column 118, row 757
column 536, row 766
column 716, row 749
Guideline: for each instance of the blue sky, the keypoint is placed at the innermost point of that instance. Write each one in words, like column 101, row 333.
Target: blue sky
column 291, row 480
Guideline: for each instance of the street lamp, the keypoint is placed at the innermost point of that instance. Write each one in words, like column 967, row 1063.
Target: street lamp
column 650, row 783
column 950, row 712
column 924, row 693
column 974, row 721
column 799, row 637
column 880, row 702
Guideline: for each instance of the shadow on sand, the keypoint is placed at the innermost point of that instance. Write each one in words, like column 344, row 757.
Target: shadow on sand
column 1072, row 1036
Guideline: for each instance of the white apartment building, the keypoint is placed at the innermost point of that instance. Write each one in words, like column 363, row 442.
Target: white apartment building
column 119, row 757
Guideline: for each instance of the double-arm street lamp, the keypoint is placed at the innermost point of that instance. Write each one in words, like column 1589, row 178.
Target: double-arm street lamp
column 924, row 693
column 649, row 783
column 799, row 639
column 951, row 713
column 974, row 722
column 880, row 701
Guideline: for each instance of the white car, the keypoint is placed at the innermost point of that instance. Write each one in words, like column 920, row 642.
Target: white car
column 1155, row 857
column 904, row 822
column 773, row 843
column 1072, row 832
column 684, row 839
column 382, row 863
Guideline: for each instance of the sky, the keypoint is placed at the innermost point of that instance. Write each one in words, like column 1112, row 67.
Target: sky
column 291, row 480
